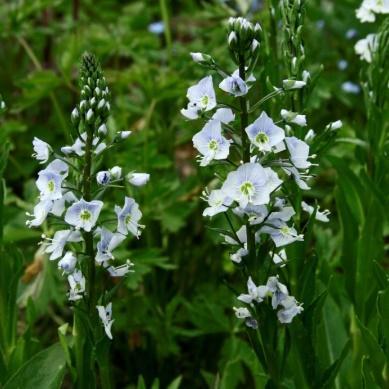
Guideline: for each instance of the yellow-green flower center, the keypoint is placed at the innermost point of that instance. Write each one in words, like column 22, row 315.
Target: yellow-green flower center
column 262, row 138
column 204, row 101
column 247, row 188
column 51, row 186
column 85, row 215
column 128, row 219
column 213, row 145
column 285, row 230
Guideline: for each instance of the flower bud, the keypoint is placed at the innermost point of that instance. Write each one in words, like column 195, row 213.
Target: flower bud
column 75, row 116
column 68, row 263
column 116, row 172
column 67, row 150
column 83, row 106
column 306, row 76
column 89, row 116
column 309, row 136
column 97, row 91
column 202, row 59
column 93, row 102
column 102, row 130
column 124, row 134
column 103, row 177
column 138, row 179
column 293, row 84
column 336, row 125
column 293, row 117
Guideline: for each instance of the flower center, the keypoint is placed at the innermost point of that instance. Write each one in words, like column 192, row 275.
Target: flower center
column 247, row 188
column 204, row 101
column 213, row 145
column 262, row 138
column 128, row 219
column 51, row 186
column 285, row 230
column 85, row 215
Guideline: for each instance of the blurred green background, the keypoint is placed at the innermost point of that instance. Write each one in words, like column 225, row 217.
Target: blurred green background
column 173, row 316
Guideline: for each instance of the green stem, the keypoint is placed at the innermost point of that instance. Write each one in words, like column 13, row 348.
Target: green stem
column 244, row 117
column 166, row 23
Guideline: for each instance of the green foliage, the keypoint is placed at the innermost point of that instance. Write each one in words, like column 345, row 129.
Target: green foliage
column 174, row 326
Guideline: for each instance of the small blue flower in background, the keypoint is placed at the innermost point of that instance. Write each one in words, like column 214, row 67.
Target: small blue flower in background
column 156, row 28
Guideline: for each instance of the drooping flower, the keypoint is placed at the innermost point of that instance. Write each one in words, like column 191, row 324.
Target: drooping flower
column 279, row 258
column 68, row 263
column 41, row 210
column 366, row 47
column 120, row 271
column 238, row 255
column 281, row 233
column 234, row 85
column 223, row 115
column 128, row 217
column 218, row 202
column 211, row 143
column 138, row 179
column 116, row 172
column 108, row 242
column 320, row 216
column 255, row 293
column 251, row 183
column 264, row 134
column 299, row 178
column 242, row 313
column 56, row 245
column 105, row 314
column 299, row 152
column 41, row 150
column 290, row 308
column 278, row 291
column 293, row 84
column 201, row 98
column 77, row 285
column 83, row 214
column 293, row 117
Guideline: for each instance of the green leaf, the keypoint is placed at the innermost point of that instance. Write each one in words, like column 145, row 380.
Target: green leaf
column 44, row 370
column 175, row 384
column 331, row 372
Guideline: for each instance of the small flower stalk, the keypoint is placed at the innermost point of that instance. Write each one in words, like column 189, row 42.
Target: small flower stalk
column 262, row 163
column 72, row 192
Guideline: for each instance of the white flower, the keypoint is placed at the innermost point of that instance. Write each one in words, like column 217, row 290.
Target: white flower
column 116, row 172
column 366, row 12
column 293, row 84
column 255, row 293
column 293, row 117
column 201, row 98
column 234, row 85
column 41, row 150
column 264, row 134
column 103, row 177
column 223, row 115
column 297, row 177
column 281, row 233
column 102, row 130
column 100, row 147
column 335, row 125
column 278, row 291
column 350, row 87
column 211, row 143
column 279, row 258
column 124, row 134
column 128, row 217
column 320, row 216
column 289, row 310
column 299, row 152
column 77, row 285
column 58, row 207
column 121, row 270
column 242, row 313
column 238, row 255
column 41, row 210
column 138, row 179
column 68, row 263
column 83, row 214
column 49, row 184
column 59, row 240
column 241, row 234
column 108, row 242
column 251, row 183
column 218, row 202
column 366, row 47
column 105, row 314
column 256, row 213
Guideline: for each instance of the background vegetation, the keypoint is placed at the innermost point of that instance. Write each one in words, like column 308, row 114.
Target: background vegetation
column 173, row 319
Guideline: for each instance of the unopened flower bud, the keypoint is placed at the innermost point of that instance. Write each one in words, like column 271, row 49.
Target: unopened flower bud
column 138, row 179
column 89, row 116
column 103, row 177
column 116, row 172
column 101, row 104
column 83, row 106
column 293, row 84
column 336, row 125
column 124, row 134
column 93, row 102
column 68, row 262
column 75, row 116
column 102, row 130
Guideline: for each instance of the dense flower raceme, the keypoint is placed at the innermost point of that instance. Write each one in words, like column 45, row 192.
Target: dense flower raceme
column 61, row 196
column 254, row 191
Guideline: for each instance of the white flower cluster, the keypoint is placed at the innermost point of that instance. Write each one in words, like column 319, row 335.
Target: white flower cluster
column 366, row 13
column 280, row 298
column 255, row 190
column 60, row 186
